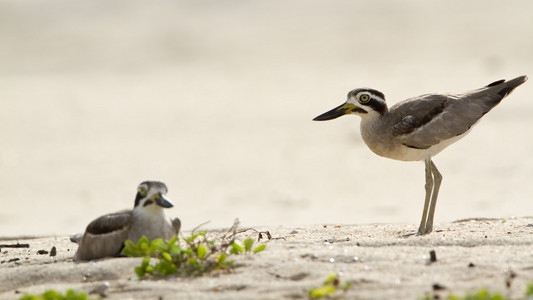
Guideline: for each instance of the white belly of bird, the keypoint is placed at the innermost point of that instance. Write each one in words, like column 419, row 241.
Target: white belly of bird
column 413, row 154
column 393, row 149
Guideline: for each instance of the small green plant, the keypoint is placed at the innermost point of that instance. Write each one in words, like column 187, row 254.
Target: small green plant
column 330, row 287
column 529, row 290
column 246, row 248
column 54, row 295
column 484, row 294
column 195, row 256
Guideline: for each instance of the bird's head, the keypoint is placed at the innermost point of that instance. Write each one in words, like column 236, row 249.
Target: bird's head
column 361, row 102
column 151, row 194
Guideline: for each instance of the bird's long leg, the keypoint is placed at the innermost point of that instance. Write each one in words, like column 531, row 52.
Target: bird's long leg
column 437, row 176
column 429, row 188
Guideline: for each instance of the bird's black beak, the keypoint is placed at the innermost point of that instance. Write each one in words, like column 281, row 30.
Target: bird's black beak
column 163, row 201
column 338, row 111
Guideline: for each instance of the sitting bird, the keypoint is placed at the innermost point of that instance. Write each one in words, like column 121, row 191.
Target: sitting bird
column 105, row 236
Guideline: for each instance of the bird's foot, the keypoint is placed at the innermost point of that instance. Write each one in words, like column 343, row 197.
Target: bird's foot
column 408, row 235
column 424, row 231
column 421, row 231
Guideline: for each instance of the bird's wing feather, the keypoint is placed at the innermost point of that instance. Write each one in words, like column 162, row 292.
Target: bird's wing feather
column 415, row 119
column 110, row 222
column 105, row 236
column 429, row 119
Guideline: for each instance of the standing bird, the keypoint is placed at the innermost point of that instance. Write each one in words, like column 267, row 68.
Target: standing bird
column 105, row 236
column 421, row 127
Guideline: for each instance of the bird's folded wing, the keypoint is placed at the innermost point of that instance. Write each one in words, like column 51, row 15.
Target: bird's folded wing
column 434, row 118
column 110, row 222
column 422, row 122
column 105, row 236
column 430, row 119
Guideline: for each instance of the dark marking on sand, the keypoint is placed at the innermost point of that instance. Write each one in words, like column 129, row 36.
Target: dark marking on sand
column 432, row 256
column 17, row 245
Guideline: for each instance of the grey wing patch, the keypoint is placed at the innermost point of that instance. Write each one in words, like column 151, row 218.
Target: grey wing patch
column 104, row 237
column 109, row 223
column 405, row 126
column 427, row 120
column 418, row 114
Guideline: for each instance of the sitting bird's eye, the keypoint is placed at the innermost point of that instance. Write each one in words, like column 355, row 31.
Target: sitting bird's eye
column 364, row 98
column 142, row 191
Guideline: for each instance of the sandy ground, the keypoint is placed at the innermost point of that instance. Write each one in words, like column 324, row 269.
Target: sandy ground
column 216, row 99
column 383, row 264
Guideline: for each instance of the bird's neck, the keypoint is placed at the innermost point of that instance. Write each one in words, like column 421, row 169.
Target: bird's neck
column 149, row 213
column 375, row 134
column 372, row 121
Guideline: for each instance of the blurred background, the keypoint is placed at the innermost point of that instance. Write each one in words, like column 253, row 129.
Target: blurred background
column 216, row 98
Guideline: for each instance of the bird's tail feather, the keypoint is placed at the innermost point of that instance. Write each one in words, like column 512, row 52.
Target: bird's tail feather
column 509, row 86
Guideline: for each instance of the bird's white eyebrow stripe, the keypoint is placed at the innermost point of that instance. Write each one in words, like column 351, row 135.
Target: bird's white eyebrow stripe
column 376, row 102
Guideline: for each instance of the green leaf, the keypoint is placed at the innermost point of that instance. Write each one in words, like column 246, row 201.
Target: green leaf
column 529, row 289
column 143, row 245
column 194, row 263
column 331, row 278
column 139, row 271
column 130, row 249
column 166, row 268
column 323, row 291
column 158, row 245
column 149, row 270
column 72, row 295
column 145, row 262
column 187, row 252
column 172, row 241
column 248, row 244
column 191, row 238
column 167, row 257
column 236, row 248
column 347, row 285
column 144, row 267
column 143, row 241
column 174, row 250
column 260, row 248
column 51, row 294
column 221, row 258
column 201, row 251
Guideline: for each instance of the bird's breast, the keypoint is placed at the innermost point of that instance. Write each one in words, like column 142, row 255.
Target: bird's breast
column 377, row 135
column 151, row 225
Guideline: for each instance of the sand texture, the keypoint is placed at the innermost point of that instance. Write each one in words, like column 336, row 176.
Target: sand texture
column 215, row 98
column 382, row 263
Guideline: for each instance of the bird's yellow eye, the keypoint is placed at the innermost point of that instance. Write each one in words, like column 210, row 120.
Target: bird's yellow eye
column 142, row 191
column 364, row 98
